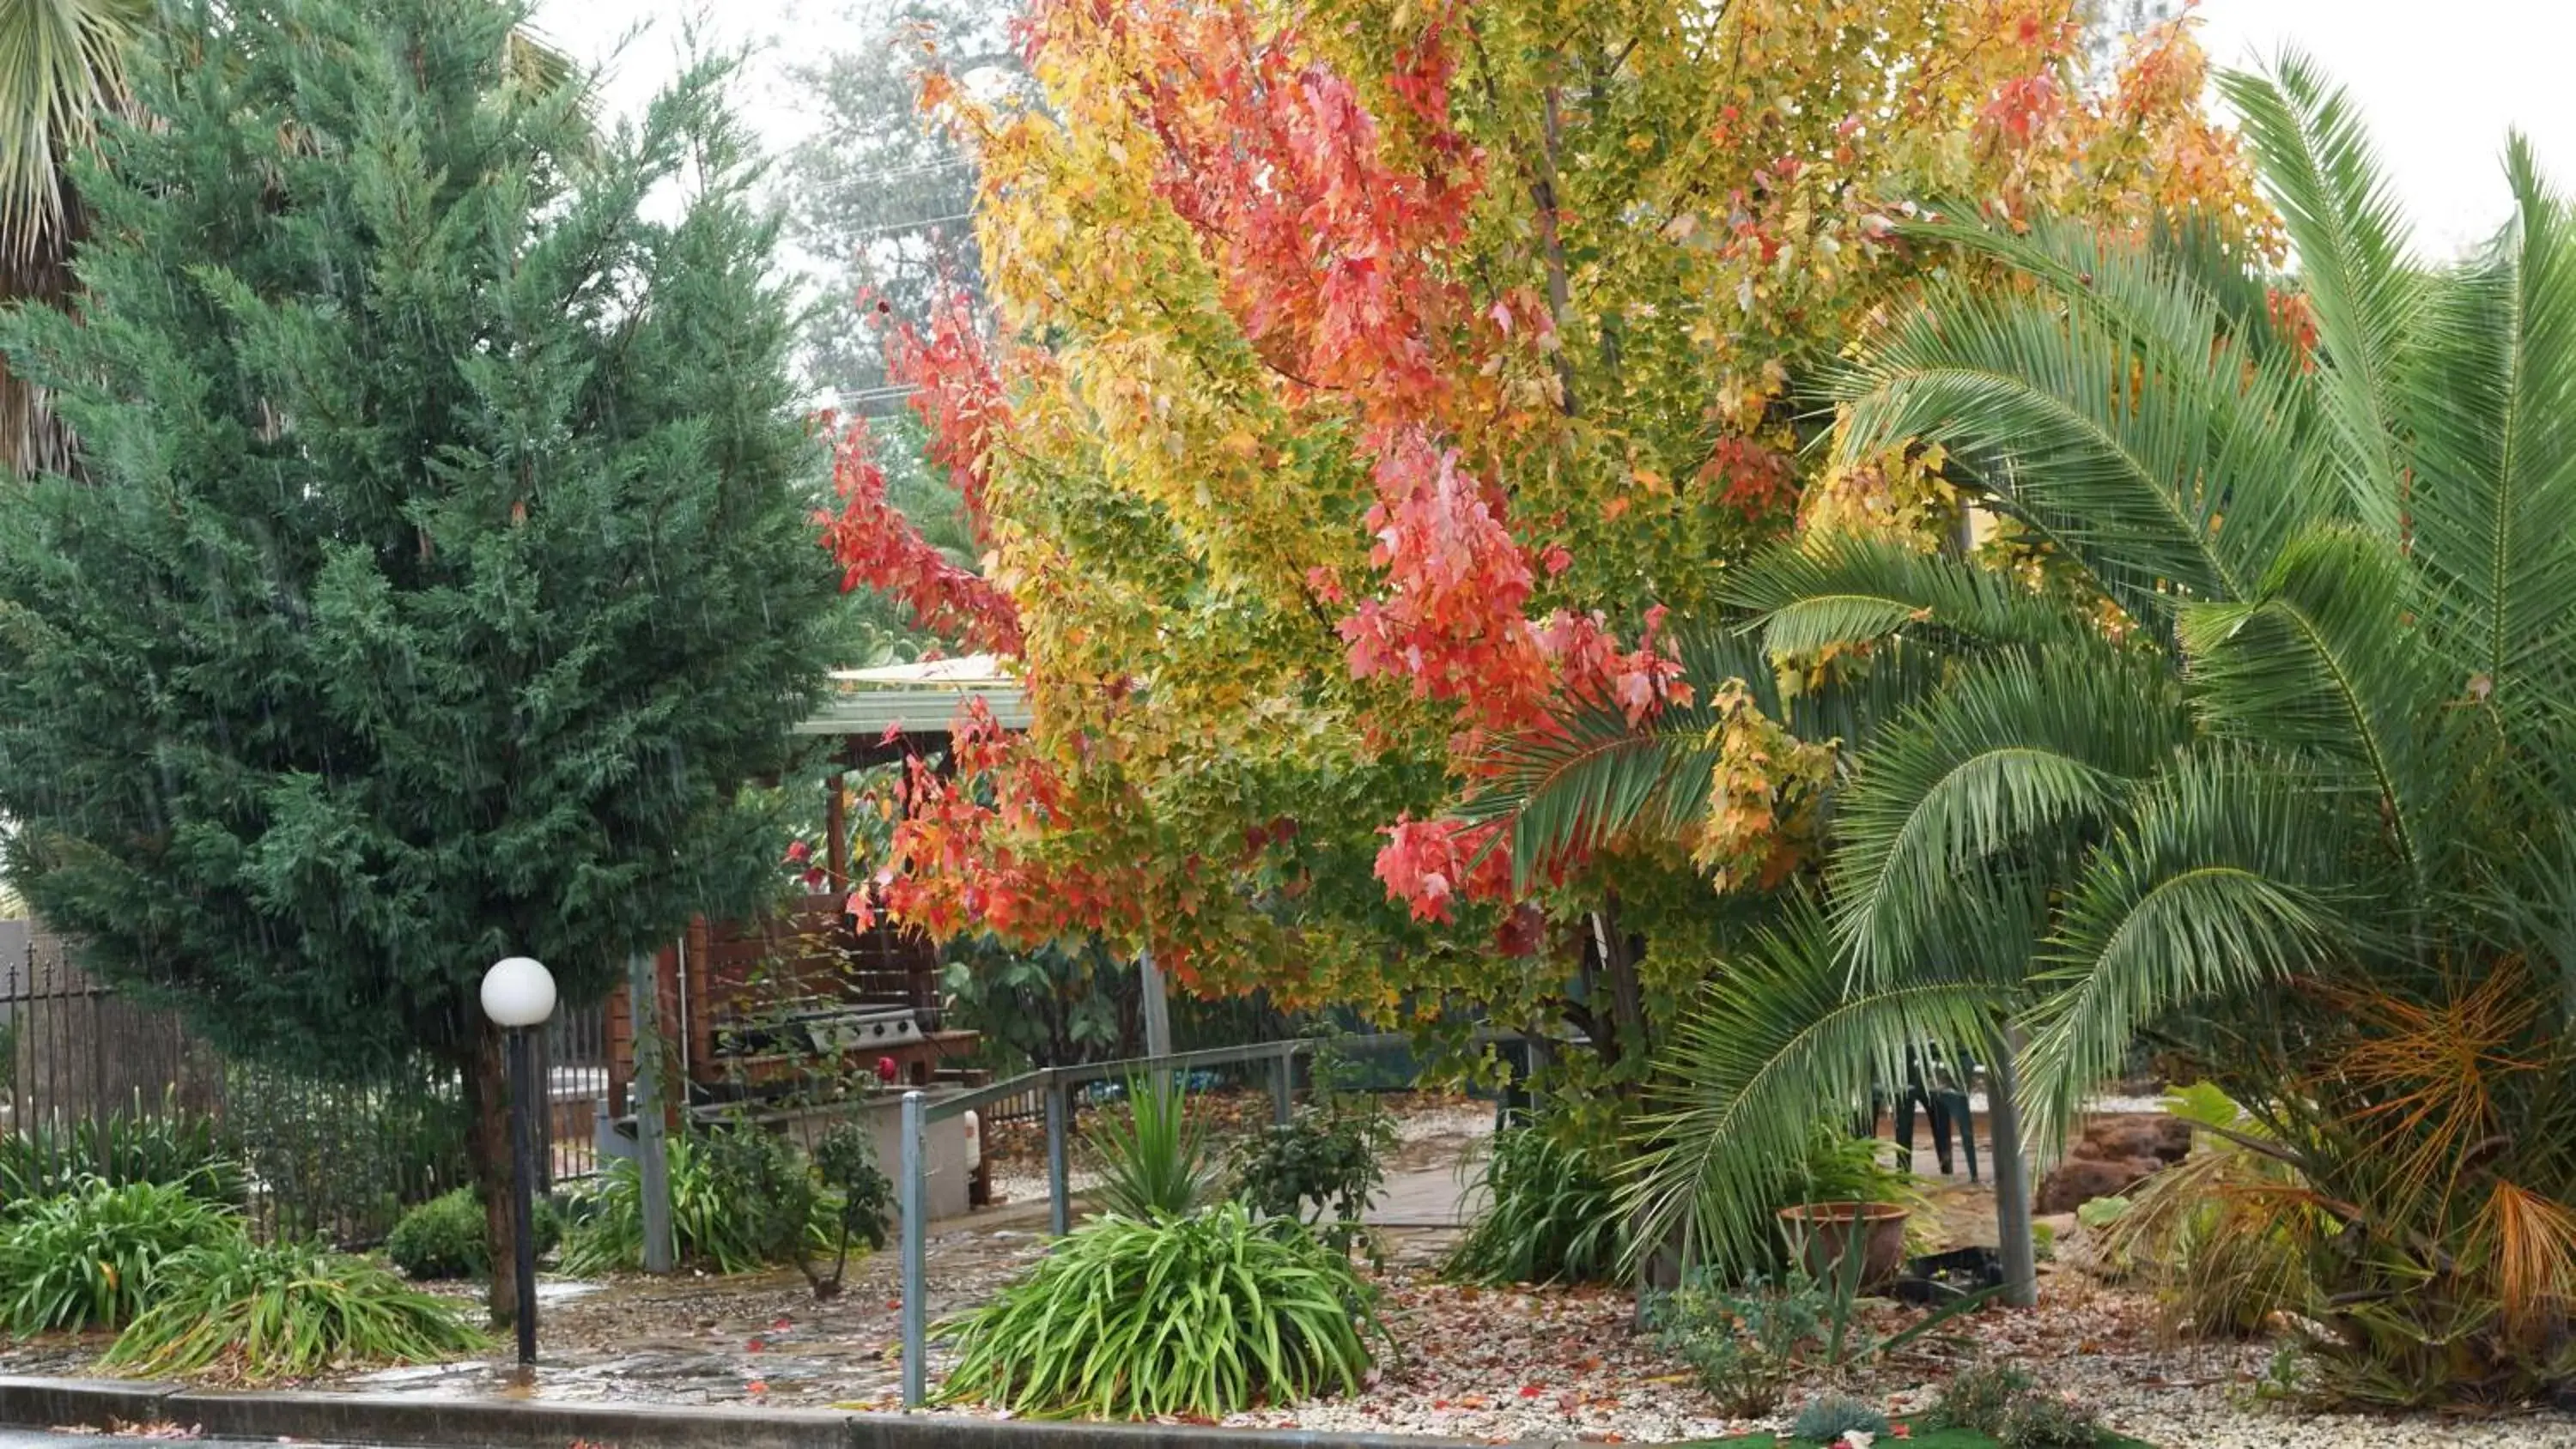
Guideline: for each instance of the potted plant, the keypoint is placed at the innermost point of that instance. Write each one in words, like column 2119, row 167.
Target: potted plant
column 1854, row 1203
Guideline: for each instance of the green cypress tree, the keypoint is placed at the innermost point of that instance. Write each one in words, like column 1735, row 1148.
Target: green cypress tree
column 436, row 573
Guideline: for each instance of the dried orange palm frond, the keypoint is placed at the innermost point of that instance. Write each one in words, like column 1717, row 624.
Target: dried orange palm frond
column 2534, row 1242
column 2428, row 1071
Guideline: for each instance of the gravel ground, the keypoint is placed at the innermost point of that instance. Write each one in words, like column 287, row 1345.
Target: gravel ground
column 1565, row 1364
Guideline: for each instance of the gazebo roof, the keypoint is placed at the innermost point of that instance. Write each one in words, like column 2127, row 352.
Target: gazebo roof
column 917, row 699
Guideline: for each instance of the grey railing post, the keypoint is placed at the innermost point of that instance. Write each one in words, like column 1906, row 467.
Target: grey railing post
column 1283, row 1087
column 916, row 1232
column 1059, row 1185
column 652, row 1163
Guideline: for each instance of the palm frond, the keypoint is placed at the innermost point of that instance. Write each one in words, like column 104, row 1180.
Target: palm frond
column 2107, row 449
column 2222, row 881
column 62, row 71
column 2015, row 753
column 1596, row 777
column 1775, row 1045
column 2314, row 160
column 1842, row 590
column 2493, row 507
column 2321, row 662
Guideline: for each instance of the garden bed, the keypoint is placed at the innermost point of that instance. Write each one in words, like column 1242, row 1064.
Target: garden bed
column 1493, row 1365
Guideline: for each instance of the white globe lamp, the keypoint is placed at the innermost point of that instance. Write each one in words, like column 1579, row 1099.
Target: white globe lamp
column 518, row 992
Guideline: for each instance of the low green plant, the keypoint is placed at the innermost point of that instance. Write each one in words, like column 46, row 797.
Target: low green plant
column 1748, row 1343
column 169, row 1146
column 2038, row 1420
column 1829, row 1418
column 740, row 1200
column 1201, row 1315
column 1746, row 1346
column 1978, row 1396
column 1154, row 1161
column 92, row 1257
column 445, row 1237
column 2102, row 1212
column 1547, row 1214
column 861, row 1198
column 287, row 1311
column 1324, row 1166
column 1840, row 1167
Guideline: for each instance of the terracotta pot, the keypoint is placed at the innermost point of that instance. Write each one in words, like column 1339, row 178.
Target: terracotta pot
column 1825, row 1231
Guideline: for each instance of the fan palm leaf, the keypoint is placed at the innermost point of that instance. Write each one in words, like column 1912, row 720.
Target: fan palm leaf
column 62, row 73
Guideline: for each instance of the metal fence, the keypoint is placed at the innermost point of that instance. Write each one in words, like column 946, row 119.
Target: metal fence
column 91, row 1083
column 1058, row 1090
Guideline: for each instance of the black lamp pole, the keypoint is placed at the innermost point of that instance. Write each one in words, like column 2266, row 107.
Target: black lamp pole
column 523, row 1181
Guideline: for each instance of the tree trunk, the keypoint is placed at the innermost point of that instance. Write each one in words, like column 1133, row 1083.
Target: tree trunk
column 2012, row 1177
column 487, row 1097
column 1627, row 994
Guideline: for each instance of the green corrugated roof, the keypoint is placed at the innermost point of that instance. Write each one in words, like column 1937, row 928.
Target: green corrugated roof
column 917, row 698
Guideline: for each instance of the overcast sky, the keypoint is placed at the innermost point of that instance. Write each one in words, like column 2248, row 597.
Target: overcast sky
column 2441, row 82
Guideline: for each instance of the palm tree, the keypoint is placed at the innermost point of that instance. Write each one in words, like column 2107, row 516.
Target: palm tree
column 2278, row 775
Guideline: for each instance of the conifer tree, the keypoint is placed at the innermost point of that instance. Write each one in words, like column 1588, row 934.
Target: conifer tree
column 436, row 569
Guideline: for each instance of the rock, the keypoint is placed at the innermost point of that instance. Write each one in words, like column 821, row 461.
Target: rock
column 2079, row 1180
column 2141, row 1134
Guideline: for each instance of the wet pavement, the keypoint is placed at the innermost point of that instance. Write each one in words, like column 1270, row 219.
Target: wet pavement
column 765, row 1339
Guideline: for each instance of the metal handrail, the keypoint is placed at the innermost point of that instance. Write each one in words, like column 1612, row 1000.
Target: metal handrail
column 1046, row 1079
column 1051, row 1083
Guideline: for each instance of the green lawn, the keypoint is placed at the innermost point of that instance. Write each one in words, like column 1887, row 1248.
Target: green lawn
column 1923, row 1439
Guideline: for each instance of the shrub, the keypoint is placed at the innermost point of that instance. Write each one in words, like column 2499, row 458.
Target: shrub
column 1203, row 1315
column 1328, row 1159
column 2218, row 1234
column 1746, row 1347
column 445, row 1237
column 1548, row 1215
column 286, row 1311
column 171, row 1147
column 1977, row 1397
column 860, row 1200
column 91, row 1258
column 344, row 1161
column 2036, row 1420
column 740, row 1200
column 1153, row 1159
column 1829, row 1418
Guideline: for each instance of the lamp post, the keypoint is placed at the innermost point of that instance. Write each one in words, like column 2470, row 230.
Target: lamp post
column 519, row 993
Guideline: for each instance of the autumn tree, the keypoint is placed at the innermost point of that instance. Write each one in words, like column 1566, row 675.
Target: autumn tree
column 1369, row 380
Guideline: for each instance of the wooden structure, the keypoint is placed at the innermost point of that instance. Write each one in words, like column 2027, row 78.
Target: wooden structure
column 749, row 1009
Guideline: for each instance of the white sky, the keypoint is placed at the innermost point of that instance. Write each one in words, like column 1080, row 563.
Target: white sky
column 2441, row 82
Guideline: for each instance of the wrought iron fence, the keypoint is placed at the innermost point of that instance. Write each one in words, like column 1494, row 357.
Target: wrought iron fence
column 94, row 1084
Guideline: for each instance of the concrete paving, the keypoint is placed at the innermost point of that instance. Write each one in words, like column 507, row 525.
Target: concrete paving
column 33, row 1439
